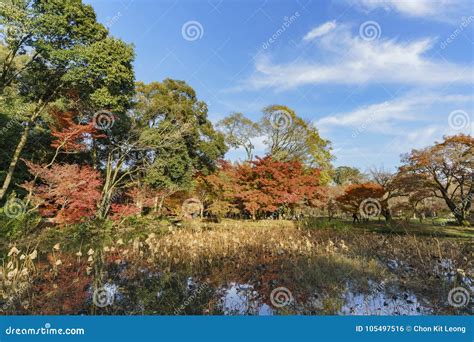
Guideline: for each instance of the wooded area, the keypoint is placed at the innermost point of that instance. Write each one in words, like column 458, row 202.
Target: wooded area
column 87, row 150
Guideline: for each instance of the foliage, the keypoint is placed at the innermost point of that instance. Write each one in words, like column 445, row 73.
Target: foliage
column 67, row 193
column 449, row 167
column 174, row 104
column 50, row 50
column 354, row 195
column 264, row 186
column 62, row 288
column 289, row 137
column 239, row 132
column 17, row 273
column 345, row 175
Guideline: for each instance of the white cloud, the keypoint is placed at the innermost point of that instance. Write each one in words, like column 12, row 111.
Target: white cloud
column 412, row 8
column 320, row 30
column 349, row 59
column 386, row 117
column 443, row 10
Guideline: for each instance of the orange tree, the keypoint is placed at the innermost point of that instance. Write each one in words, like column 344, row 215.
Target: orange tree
column 263, row 187
column 365, row 199
column 449, row 167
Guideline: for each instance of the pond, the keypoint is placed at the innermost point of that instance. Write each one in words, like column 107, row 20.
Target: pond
column 234, row 298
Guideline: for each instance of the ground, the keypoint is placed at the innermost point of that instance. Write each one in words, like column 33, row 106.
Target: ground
column 313, row 266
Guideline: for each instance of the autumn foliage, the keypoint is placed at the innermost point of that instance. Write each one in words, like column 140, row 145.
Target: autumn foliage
column 448, row 168
column 66, row 193
column 355, row 194
column 264, row 186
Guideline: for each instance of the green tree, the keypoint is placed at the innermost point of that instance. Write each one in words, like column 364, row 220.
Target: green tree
column 289, row 137
column 239, row 131
column 345, row 175
column 51, row 50
column 170, row 140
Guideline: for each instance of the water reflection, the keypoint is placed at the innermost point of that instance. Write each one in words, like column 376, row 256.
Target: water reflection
column 243, row 299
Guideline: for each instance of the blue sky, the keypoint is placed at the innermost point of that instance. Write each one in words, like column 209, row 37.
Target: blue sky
column 376, row 77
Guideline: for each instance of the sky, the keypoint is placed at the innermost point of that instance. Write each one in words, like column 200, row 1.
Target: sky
column 376, row 77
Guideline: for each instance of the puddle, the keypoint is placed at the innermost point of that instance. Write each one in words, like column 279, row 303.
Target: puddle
column 381, row 302
column 242, row 299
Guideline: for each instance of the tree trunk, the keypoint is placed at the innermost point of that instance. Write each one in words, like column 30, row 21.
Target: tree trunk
column 387, row 214
column 458, row 214
column 14, row 161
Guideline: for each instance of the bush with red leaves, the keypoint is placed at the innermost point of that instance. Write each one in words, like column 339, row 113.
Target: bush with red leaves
column 68, row 193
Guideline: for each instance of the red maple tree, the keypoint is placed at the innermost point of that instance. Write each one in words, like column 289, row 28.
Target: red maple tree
column 265, row 185
column 67, row 193
column 354, row 196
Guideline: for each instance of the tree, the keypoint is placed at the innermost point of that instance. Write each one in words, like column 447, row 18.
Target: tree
column 449, row 167
column 216, row 191
column 332, row 193
column 49, row 49
column 169, row 140
column 68, row 137
column 288, row 137
column 67, row 193
column 413, row 190
column 364, row 199
column 264, row 187
column 239, row 132
column 345, row 175
column 386, row 180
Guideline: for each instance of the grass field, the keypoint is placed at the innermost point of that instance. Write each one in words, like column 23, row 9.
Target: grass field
column 441, row 228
